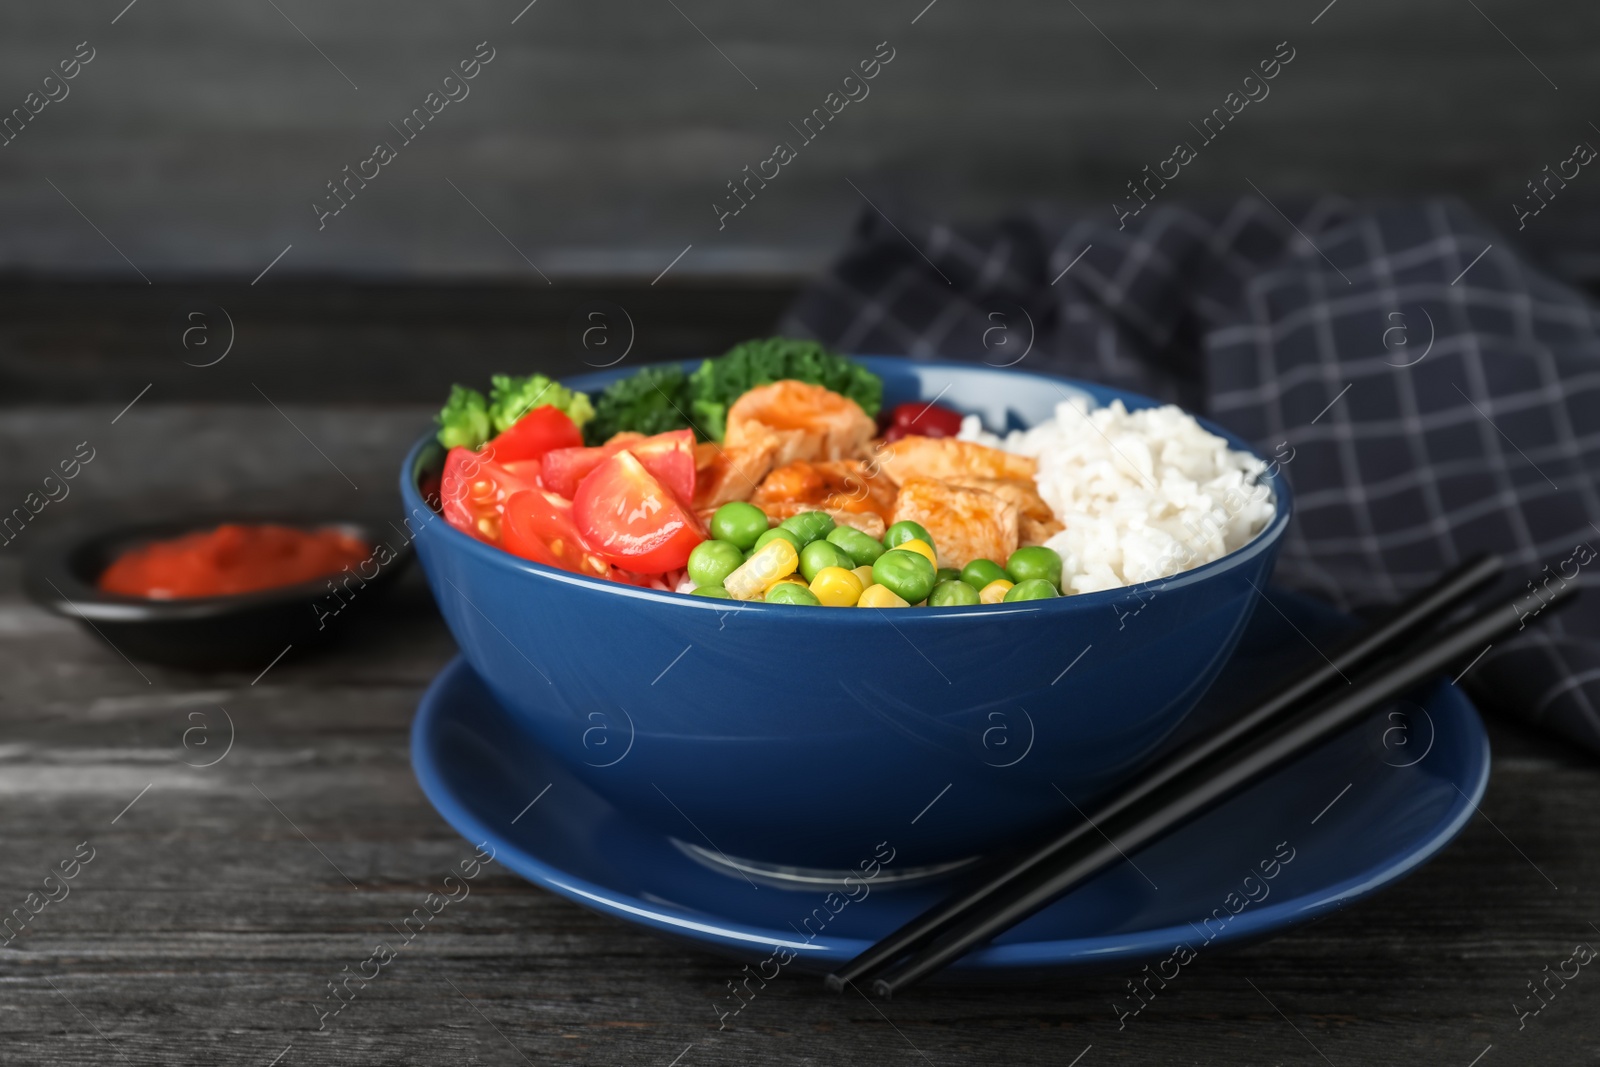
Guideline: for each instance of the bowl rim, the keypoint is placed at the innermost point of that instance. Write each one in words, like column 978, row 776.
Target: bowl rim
column 1263, row 541
column 55, row 584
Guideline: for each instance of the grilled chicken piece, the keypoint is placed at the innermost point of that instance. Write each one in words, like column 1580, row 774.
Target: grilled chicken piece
column 1037, row 523
column 868, row 522
column 1032, row 531
column 1020, row 491
column 950, row 460
column 729, row 472
column 840, row 485
column 805, row 421
column 966, row 524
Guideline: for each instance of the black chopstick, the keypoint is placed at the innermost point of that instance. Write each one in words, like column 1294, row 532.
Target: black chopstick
column 1418, row 610
column 1203, row 787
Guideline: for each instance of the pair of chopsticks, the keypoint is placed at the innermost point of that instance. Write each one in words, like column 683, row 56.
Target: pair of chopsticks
column 1378, row 664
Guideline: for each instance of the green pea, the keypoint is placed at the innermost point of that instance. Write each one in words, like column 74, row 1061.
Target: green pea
column 712, row 561
column 952, row 593
column 1035, row 561
column 817, row 555
column 809, row 526
column 740, row 523
column 946, row 574
column 712, row 591
column 777, row 531
column 906, row 574
column 790, row 593
column 904, row 531
column 1031, row 589
column 863, row 549
column 980, row 572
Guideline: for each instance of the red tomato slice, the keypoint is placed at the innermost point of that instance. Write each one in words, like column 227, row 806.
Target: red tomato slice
column 534, row 434
column 668, row 456
column 524, row 470
column 632, row 520
column 927, row 420
column 517, row 539
column 538, row 526
column 564, row 468
column 474, row 488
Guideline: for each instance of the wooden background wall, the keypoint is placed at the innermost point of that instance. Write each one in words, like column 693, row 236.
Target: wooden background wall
column 600, row 135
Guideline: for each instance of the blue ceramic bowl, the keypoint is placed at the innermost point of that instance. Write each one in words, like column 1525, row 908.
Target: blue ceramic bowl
column 792, row 740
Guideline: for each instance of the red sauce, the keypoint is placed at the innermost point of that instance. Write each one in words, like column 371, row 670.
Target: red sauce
column 233, row 558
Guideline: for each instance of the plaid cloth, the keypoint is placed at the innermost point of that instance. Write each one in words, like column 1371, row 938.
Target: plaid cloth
column 1440, row 395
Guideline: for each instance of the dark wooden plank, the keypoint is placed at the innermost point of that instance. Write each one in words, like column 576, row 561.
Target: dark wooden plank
column 206, row 927
column 602, row 133
column 338, row 341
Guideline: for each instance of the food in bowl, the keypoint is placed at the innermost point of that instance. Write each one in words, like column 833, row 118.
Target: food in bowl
column 230, row 559
column 841, row 566
column 991, row 712
column 1140, row 495
column 763, row 475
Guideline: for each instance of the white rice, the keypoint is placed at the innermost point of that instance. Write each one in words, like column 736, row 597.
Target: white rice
column 1143, row 494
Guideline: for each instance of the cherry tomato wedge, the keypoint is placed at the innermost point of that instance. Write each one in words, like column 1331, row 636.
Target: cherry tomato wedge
column 631, row 520
column 535, row 433
column 668, row 456
column 538, row 525
column 473, row 489
column 923, row 419
column 564, row 468
column 523, row 470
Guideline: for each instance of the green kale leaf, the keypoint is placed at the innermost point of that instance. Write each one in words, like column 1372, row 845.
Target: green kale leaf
column 651, row 400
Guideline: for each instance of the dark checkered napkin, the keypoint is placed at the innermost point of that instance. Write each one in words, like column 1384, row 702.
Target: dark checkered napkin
column 1440, row 395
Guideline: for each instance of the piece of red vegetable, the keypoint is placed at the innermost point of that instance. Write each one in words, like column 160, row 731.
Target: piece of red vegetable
column 544, row 428
column 537, row 524
column 669, row 456
column 631, row 520
column 923, row 419
column 474, row 488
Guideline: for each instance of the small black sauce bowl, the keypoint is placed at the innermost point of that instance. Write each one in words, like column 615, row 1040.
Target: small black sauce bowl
column 245, row 630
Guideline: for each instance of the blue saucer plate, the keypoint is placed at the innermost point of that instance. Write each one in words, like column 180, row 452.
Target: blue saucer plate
column 1358, row 814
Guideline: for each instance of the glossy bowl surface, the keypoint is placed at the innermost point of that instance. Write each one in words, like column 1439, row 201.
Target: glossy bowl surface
column 1364, row 809
column 776, row 736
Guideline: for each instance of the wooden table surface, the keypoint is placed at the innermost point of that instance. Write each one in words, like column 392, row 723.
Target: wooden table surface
column 213, row 912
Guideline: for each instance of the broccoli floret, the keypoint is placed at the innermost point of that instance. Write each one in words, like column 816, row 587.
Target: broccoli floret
column 658, row 399
column 464, row 419
column 510, row 398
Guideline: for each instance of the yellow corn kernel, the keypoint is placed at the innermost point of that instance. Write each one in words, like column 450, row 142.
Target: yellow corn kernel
column 775, row 560
column 921, row 548
column 865, row 574
column 836, row 587
column 880, row 596
column 995, row 591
